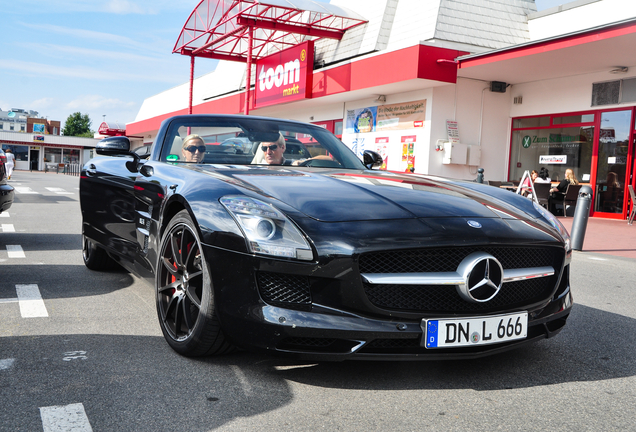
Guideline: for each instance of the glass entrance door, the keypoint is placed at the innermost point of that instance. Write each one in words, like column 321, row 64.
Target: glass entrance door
column 611, row 169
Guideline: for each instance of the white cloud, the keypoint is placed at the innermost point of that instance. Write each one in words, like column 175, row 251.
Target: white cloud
column 120, row 7
column 84, row 35
column 75, row 52
column 94, row 102
column 127, row 7
column 94, row 74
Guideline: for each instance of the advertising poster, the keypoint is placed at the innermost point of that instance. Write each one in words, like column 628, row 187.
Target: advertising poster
column 38, row 128
column 361, row 120
column 408, row 156
column 452, row 132
column 401, row 116
column 382, row 147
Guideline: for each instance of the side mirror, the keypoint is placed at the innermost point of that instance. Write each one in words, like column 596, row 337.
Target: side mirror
column 118, row 146
column 371, row 159
column 112, row 146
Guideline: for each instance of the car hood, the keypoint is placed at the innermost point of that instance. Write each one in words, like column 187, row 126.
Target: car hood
column 340, row 196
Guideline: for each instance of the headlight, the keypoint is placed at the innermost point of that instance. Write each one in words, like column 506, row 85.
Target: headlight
column 556, row 224
column 268, row 231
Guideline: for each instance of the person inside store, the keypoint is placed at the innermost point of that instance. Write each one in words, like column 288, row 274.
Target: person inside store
column 543, row 177
column 526, row 186
column 559, row 190
column 193, row 149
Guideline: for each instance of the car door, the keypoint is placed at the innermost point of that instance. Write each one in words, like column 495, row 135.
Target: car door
column 108, row 205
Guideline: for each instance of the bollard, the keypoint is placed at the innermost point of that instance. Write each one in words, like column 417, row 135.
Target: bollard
column 480, row 175
column 581, row 215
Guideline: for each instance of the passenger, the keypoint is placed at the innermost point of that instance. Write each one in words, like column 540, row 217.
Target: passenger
column 193, row 149
column 543, row 176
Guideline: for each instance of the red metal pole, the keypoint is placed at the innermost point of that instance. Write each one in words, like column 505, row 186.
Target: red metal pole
column 248, row 78
column 191, row 83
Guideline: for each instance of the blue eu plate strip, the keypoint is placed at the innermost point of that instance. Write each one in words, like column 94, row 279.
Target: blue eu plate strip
column 431, row 333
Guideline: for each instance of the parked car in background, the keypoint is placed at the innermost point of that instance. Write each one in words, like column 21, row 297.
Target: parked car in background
column 326, row 259
column 6, row 191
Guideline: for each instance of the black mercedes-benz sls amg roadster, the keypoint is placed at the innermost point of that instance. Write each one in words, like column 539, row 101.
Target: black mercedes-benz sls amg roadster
column 317, row 254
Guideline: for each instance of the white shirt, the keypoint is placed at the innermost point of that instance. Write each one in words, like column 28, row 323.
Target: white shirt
column 540, row 180
column 10, row 158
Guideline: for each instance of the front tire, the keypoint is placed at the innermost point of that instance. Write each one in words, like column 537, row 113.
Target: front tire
column 184, row 294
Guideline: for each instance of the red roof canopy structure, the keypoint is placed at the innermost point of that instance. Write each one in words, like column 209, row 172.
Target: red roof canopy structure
column 112, row 129
column 244, row 30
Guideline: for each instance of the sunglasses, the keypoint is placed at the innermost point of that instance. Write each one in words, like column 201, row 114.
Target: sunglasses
column 192, row 149
column 273, row 147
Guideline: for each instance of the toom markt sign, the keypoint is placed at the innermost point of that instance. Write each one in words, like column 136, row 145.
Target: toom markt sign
column 285, row 76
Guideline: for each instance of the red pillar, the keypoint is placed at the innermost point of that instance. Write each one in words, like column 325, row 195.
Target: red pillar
column 248, row 78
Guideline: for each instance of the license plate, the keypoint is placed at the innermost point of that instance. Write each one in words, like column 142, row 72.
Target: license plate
column 458, row 332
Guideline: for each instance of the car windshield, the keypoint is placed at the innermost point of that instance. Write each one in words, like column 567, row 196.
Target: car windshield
column 241, row 140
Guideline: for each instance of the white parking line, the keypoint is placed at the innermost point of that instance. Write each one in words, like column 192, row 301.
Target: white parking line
column 15, row 251
column 59, row 191
column 24, row 190
column 8, row 228
column 30, row 300
column 6, row 363
column 4, row 214
column 65, row 418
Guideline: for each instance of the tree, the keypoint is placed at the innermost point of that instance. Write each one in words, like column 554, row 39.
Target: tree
column 78, row 124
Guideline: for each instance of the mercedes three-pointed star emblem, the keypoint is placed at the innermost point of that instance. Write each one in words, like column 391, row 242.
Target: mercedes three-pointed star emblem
column 482, row 274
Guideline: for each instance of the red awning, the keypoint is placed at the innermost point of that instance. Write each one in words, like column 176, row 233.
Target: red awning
column 218, row 29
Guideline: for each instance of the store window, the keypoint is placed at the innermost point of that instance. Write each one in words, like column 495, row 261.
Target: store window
column 52, row 155
column 20, row 152
column 553, row 148
column 70, row 155
column 338, row 128
column 612, row 161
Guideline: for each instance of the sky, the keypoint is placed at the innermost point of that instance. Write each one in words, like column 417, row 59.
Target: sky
column 96, row 57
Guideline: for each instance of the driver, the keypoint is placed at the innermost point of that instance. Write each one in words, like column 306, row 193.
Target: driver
column 273, row 151
column 193, row 149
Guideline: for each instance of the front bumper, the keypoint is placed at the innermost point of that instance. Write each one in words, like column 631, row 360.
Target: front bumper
column 348, row 327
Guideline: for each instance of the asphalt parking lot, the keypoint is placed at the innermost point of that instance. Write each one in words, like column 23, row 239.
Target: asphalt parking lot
column 84, row 350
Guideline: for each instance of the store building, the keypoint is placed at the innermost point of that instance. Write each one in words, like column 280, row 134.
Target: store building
column 37, row 144
column 447, row 86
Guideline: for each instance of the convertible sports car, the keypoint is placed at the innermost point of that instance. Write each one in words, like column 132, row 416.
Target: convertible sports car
column 320, row 257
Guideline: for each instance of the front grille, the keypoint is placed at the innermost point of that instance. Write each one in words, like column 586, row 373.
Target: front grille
column 447, row 259
column 284, row 290
column 444, row 298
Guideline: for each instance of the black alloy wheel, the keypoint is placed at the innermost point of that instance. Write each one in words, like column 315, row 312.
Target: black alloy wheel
column 185, row 299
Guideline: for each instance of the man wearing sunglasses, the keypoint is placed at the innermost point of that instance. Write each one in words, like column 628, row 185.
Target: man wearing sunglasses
column 193, row 149
column 273, row 151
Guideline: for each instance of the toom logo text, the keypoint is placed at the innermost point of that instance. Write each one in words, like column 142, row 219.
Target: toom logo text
column 285, row 76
